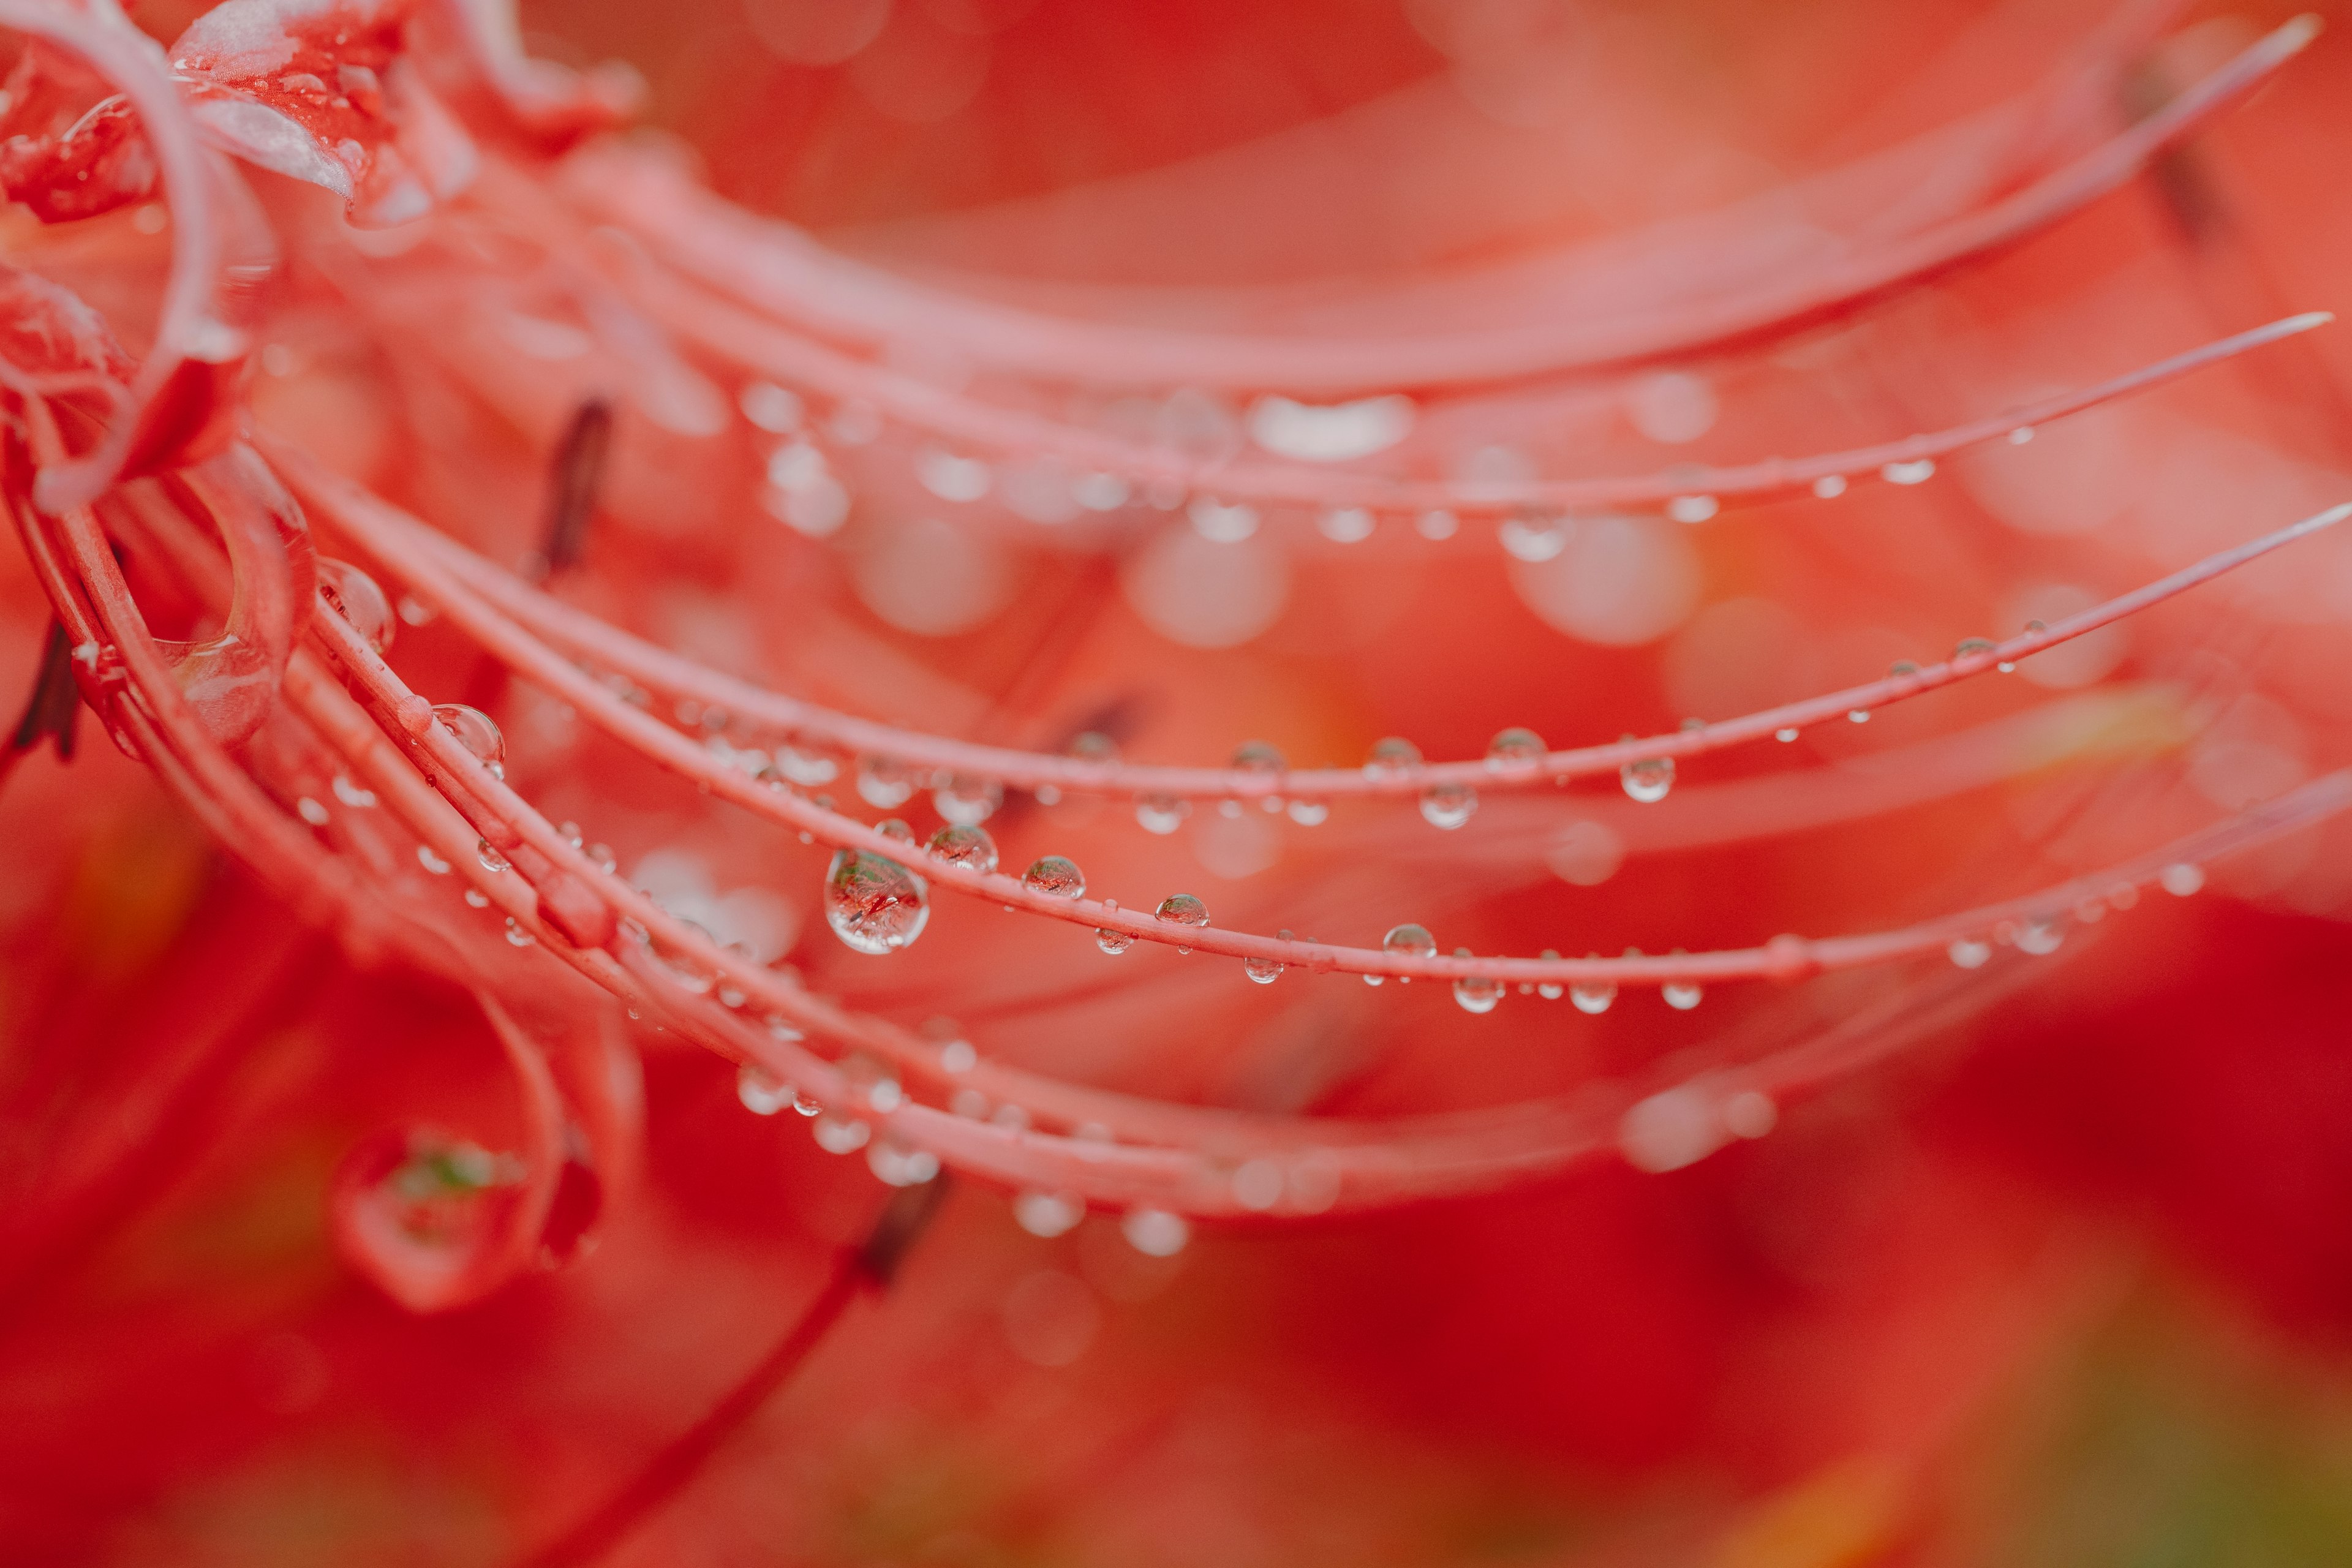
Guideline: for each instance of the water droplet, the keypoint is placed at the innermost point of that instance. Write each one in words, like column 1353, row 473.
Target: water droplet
column 894, row 828
column 1345, row 525
column 2181, row 879
column 430, row 861
column 1389, row 757
column 1055, row 877
column 491, row 859
column 1258, row 758
column 1048, row 1215
column 515, row 935
column 478, row 732
column 1437, row 524
column 1310, row 813
column 1112, row 941
column 896, row 1165
column 1448, row 806
column 1265, row 971
column 970, row 848
column 1093, row 746
column 416, row 612
column 874, row 904
column 1548, row 991
column 1534, row 537
column 804, row 766
column 310, row 811
column 968, row 801
column 1969, row 953
column 1857, row 715
column 2040, row 937
column 2021, row 436
column 476, row 899
column 1184, row 910
column 1829, row 486
column 761, row 1091
column 837, row 1135
column 1223, row 524
column 1691, row 508
column 771, row 408
column 1648, row 778
column 951, row 478
column 1901, row 667
column 1970, row 648
column 884, row 782
column 351, row 794
column 1155, row 1233
column 601, row 856
column 1476, row 994
column 353, row 594
column 1162, row 813
column 1515, row 751
column 1785, row 734
column 1919, row 472
column 1592, row 995
column 1681, row 995
column 1407, row 940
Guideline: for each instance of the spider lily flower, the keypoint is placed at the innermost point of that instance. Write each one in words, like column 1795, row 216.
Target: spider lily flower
column 1491, row 727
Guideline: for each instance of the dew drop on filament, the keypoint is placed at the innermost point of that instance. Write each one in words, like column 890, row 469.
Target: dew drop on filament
column 970, row 848
column 968, row 802
column 1265, row 971
column 1967, row 952
column 874, row 904
column 478, row 732
column 1547, row 990
column 1155, row 1233
column 354, row 595
column 1055, row 877
column 884, row 783
column 1474, row 993
column 1048, row 1215
column 1184, row 910
column 836, row 1135
column 761, row 1091
column 1161, row 813
column 1515, row 751
column 1112, row 941
column 1648, row 778
column 1390, row 757
column 1448, row 806
column 1592, row 995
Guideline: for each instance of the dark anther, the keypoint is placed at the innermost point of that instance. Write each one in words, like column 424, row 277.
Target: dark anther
column 576, row 476
column 898, row 1226
column 55, row 705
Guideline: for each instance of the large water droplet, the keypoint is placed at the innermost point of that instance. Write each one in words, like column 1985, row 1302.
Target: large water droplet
column 1048, row 1215
column 1971, row 647
column 761, row 1091
column 1184, row 910
column 1681, row 995
column 970, row 848
column 1648, row 778
column 1155, row 1233
column 1515, row 751
column 1265, row 971
column 1389, row 757
column 1055, row 877
column 884, row 782
column 354, row 595
column 874, row 904
column 1112, row 941
column 2181, row 879
column 1448, row 806
column 1969, row 953
column 968, row 801
column 478, row 732
column 1592, row 995
column 1408, row 940
column 1162, row 813
column 1476, row 994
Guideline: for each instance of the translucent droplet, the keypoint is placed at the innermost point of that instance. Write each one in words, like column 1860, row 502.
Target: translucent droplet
column 1390, row 757
column 884, row 782
column 1162, row 813
column 1048, row 1215
column 1474, row 993
column 1258, row 758
column 761, row 1091
column 2040, row 937
column 1829, row 486
column 1918, row 471
column 1548, row 990
column 1785, row 734
column 970, row 848
column 430, row 861
column 491, row 859
column 1436, row 524
column 1265, row 971
column 1971, row 647
column 1407, row 940
column 1969, row 953
column 1691, row 508
column 312, row 812
column 1515, row 751
column 1155, row 1233
column 1184, row 910
column 478, row 732
column 1112, row 941
column 895, row 828
column 874, row 904
column 1535, row 537
column 1310, row 813
column 804, row 766
column 1055, row 877
column 2181, row 879
column 1681, row 995
column 896, row 1165
column 601, row 856
column 968, row 801
column 354, row 595
column 1592, row 995
column 351, row 794
column 1448, row 806
column 2021, row 436
column 1648, row 778
column 416, row 612
column 1345, row 525
column 839, row 1135
column 1857, row 715
column 476, row 899
column 1901, row 667
column 1093, row 746
column 951, row 478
